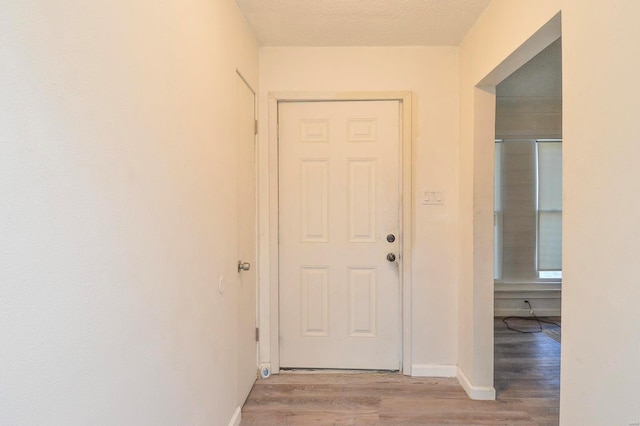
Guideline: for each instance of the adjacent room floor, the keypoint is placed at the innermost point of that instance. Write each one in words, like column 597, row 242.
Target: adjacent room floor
column 527, row 382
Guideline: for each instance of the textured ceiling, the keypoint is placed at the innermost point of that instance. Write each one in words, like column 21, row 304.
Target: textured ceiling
column 361, row 22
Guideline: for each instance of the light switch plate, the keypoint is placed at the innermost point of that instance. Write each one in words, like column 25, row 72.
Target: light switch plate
column 432, row 197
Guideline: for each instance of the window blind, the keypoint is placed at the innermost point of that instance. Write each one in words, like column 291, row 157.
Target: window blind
column 549, row 244
column 497, row 211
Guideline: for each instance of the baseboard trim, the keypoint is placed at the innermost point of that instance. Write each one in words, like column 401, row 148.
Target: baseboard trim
column 480, row 393
column 235, row 420
column 506, row 312
column 433, row 370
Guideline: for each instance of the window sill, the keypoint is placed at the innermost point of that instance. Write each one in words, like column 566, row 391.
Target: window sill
column 532, row 285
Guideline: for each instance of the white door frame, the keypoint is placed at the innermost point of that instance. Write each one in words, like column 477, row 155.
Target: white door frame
column 269, row 327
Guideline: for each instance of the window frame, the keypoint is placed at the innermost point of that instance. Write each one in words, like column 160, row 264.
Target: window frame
column 544, row 271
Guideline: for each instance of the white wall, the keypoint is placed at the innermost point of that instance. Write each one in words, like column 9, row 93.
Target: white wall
column 601, row 242
column 432, row 75
column 117, row 210
column 600, row 340
column 488, row 54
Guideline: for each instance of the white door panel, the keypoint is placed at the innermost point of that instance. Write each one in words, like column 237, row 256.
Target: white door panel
column 245, row 138
column 339, row 199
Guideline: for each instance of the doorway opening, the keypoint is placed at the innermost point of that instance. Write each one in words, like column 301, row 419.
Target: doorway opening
column 528, row 229
column 528, row 187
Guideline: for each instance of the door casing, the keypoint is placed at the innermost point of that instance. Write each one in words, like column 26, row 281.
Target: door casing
column 269, row 306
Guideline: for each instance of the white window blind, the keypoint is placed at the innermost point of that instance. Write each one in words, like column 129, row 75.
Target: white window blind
column 497, row 212
column 497, row 179
column 549, row 244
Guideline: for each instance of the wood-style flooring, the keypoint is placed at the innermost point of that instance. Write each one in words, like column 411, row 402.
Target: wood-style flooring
column 527, row 382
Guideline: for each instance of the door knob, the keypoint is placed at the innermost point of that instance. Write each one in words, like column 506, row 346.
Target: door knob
column 391, row 257
column 243, row 266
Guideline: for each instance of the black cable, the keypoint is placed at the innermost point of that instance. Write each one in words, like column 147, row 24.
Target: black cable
column 505, row 320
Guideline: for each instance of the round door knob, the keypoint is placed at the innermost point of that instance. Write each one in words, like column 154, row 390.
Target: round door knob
column 243, row 266
column 391, row 257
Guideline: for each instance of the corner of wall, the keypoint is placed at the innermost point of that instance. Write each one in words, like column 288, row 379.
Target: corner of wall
column 478, row 393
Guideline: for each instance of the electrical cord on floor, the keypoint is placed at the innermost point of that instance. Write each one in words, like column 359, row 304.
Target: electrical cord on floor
column 539, row 321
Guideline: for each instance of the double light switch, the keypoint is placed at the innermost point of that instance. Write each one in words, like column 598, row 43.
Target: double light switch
column 432, row 197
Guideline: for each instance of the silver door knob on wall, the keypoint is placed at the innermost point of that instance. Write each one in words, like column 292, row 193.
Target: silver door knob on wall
column 243, row 266
column 391, row 257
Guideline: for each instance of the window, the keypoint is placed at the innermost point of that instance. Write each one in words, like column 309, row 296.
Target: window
column 549, row 208
column 527, row 211
column 497, row 212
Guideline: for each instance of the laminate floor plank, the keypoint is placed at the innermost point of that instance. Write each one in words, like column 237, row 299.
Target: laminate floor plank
column 526, row 379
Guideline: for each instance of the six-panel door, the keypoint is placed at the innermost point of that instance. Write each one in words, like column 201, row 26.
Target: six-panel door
column 338, row 201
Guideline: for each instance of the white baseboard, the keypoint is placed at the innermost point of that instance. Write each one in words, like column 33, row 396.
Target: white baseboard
column 433, row 370
column 481, row 393
column 545, row 299
column 235, row 420
column 510, row 312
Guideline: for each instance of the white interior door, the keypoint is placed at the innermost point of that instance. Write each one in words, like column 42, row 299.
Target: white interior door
column 245, row 136
column 339, row 208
